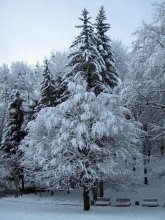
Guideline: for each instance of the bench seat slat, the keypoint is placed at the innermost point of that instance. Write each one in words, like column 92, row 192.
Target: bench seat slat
column 123, row 202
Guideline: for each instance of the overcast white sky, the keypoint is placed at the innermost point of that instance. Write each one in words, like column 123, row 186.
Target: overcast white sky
column 31, row 29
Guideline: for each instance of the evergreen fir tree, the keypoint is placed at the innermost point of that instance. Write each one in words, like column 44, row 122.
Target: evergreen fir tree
column 86, row 61
column 48, row 95
column 61, row 90
column 13, row 132
column 12, row 136
column 110, row 76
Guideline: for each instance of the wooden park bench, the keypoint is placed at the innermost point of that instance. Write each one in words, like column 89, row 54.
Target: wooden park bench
column 101, row 202
column 123, row 202
column 150, row 202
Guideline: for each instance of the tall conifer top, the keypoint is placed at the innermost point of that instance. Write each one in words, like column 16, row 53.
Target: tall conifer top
column 103, row 44
column 86, row 60
column 47, row 96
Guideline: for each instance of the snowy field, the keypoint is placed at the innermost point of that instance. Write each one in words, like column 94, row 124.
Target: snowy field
column 63, row 206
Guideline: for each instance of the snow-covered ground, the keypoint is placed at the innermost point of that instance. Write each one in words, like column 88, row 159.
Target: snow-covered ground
column 63, row 206
column 36, row 211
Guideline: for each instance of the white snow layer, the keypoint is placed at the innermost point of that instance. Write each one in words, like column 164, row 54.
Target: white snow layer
column 63, row 206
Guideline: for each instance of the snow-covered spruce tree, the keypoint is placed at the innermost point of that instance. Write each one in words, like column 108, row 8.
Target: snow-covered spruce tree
column 86, row 60
column 109, row 75
column 47, row 93
column 11, row 138
column 84, row 140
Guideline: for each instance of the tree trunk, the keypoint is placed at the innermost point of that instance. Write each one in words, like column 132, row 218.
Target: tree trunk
column 146, row 155
column 162, row 148
column 134, row 164
column 68, row 190
column 16, row 183
column 145, row 176
column 23, row 183
column 86, row 199
column 101, row 189
column 94, row 192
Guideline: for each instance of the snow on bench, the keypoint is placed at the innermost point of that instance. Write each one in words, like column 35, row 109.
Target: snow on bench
column 102, row 201
column 150, row 202
column 123, row 202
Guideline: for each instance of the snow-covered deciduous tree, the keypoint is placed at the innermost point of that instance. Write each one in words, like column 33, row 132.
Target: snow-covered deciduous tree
column 146, row 90
column 145, row 93
column 109, row 75
column 4, row 84
column 58, row 64
column 4, row 93
column 1, row 120
column 122, row 59
column 84, row 140
column 24, row 76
